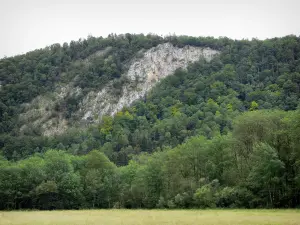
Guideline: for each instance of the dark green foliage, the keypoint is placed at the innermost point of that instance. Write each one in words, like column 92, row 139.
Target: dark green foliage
column 248, row 75
column 234, row 170
column 191, row 142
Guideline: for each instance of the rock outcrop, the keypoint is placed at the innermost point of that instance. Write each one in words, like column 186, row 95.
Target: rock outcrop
column 156, row 64
column 143, row 74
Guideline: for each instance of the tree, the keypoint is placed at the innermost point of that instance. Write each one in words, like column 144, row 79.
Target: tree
column 254, row 106
column 204, row 197
column 266, row 173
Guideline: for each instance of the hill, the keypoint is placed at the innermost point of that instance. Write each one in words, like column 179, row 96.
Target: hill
column 219, row 117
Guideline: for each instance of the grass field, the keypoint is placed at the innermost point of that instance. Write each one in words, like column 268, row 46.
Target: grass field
column 150, row 217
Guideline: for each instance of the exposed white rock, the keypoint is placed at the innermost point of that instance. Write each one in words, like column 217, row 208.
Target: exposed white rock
column 145, row 71
column 40, row 111
column 156, row 64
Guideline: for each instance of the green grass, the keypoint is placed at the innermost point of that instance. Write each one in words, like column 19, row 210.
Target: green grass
column 150, row 217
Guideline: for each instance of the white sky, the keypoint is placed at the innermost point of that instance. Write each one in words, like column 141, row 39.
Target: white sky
column 30, row 24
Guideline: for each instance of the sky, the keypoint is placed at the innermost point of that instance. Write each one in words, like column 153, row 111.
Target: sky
column 30, row 24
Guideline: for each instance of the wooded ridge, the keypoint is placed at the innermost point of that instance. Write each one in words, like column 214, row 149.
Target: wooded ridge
column 217, row 129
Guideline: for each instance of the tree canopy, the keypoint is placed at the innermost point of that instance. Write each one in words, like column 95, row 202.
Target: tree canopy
column 223, row 133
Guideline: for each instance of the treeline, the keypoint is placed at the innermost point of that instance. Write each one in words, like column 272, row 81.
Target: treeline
column 257, row 165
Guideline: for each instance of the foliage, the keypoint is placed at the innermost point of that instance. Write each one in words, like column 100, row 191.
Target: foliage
column 204, row 173
column 223, row 133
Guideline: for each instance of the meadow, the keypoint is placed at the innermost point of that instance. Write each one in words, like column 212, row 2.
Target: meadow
column 150, row 217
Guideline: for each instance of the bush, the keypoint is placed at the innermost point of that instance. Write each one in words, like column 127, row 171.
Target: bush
column 204, row 197
column 161, row 203
column 171, row 204
column 226, row 197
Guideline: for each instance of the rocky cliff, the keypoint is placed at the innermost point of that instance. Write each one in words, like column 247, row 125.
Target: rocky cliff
column 156, row 64
column 144, row 72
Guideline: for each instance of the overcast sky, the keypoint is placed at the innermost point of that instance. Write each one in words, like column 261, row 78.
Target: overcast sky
column 30, row 24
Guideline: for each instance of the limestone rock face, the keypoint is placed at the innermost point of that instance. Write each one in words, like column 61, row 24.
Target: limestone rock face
column 145, row 72
column 41, row 113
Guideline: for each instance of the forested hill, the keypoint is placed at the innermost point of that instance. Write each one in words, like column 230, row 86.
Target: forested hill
column 220, row 118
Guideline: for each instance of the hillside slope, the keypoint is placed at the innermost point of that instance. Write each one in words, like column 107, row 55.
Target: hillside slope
column 140, row 121
column 48, row 91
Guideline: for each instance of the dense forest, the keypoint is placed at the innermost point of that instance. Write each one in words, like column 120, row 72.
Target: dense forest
column 223, row 133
